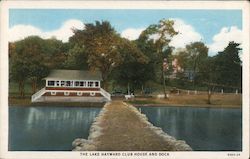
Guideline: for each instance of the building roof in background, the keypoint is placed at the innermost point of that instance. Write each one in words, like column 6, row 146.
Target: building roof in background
column 74, row 75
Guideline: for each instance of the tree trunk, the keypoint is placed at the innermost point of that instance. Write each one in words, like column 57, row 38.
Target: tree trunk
column 163, row 75
column 142, row 90
column 164, row 84
column 209, row 97
column 34, row 85
column 128, row 89
column 21, row 89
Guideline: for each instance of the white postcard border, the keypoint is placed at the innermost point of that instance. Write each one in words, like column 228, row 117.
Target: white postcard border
column 6, row 5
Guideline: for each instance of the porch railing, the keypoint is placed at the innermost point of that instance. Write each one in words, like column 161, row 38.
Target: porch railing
column 37, row 95
column 105, row 94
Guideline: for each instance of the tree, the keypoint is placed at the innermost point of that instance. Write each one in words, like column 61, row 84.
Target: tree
column 19, row 72
column 197, row 54
column 27, row 62
column 222, row 70
column 134, row 68
column 76, row 58
column 54, row 53
column 104, row 47
column 208, row 74
column 101, row 43
column 161, row 34
column 228, row 66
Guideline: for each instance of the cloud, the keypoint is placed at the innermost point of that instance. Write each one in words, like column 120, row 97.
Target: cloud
column 221, row 40
column 187, row 34
column 132, row 33
column 19, row 32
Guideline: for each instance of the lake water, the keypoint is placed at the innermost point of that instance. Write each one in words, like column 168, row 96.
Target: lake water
column 48, row 128
column 202, row 128
column 54, row 128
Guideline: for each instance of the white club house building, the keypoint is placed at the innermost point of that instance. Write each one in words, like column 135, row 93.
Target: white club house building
column 72, row 86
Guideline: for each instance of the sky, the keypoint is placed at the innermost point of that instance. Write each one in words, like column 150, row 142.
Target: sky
column 213, row 27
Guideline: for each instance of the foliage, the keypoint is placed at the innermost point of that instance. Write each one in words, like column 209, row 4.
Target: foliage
column 55, row 53
column 105, row 49
column 228, row 67
column 26, row 62
column 197, row 55
column 76, row 58
column 125, row 62
column 32, row 57
column 161, row 34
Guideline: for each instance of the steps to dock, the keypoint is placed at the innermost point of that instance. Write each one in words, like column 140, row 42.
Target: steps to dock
column 121, row 127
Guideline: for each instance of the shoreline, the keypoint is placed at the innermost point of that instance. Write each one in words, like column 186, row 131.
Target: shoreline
column 100, row 105
column 188, row 105
column 194, row 101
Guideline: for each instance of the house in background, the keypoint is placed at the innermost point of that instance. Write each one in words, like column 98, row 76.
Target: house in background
column 72, row 86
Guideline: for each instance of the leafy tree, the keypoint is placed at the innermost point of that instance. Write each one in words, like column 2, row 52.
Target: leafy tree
column 161, row 34
column 209, row 75
column 134, row 66
column 76, row 58
column 197, row 54
column 27, row 62
column 101, row 43
column 104, row 47
column 54, row 53
column 149, row 70
column 228, row 66
column 19, row 72
column 223, row 70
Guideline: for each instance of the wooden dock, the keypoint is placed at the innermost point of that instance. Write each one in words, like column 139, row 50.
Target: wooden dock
column 121, row 127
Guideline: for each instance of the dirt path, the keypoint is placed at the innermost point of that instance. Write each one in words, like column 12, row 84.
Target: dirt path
column 122, row 127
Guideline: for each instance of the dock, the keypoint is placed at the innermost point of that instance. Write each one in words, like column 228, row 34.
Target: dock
column 121, row 127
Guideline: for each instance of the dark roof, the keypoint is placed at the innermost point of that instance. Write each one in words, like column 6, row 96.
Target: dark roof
column 74, row 75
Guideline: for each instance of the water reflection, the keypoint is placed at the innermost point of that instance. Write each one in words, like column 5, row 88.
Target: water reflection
column 48, row 128
column 202, row 128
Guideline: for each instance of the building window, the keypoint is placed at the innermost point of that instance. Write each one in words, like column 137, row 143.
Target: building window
column 66, row 93
column 62, row 83
column 96, row 84
column 92, row 93
column 68, row 83
column 79, row 93
column 90, row 84
column 53, row 93
column 51, row 83
column 82, row 84
column 77, row 83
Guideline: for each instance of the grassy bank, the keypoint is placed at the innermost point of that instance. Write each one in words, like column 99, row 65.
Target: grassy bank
column 183, row 99
column 200, row 100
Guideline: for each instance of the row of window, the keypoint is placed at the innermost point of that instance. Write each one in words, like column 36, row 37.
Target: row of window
column 78, row 93
column 72, row 84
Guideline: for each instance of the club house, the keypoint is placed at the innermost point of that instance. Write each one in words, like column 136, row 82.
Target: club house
column 72, row 86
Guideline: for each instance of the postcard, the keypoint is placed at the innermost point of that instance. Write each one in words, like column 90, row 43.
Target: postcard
column 124, row 79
